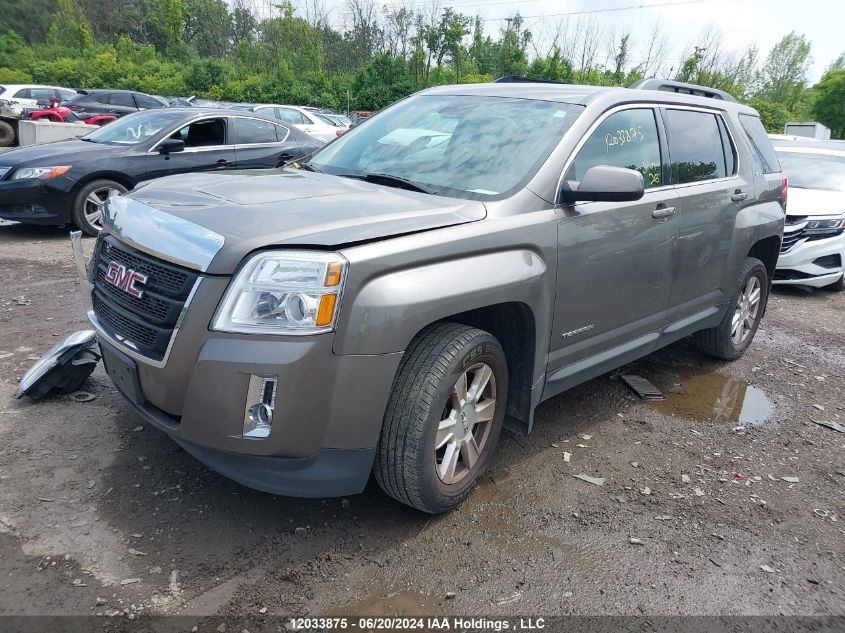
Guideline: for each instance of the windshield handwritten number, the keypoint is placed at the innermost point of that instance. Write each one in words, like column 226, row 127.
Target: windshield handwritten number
column 623, row 136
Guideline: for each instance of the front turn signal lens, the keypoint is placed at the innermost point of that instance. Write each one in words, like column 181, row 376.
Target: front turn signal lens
column 334, row 273
column 325, row 313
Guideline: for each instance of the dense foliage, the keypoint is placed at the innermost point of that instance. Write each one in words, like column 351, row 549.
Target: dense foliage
column 281, row 53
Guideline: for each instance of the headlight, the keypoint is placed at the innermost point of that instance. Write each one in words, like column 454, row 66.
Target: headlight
column 284, row 292
column 824, row 226
column 43, row 173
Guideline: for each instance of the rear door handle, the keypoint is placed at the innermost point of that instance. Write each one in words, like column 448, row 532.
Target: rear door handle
column 739, row 195
column 223, row 163
column 663, row 212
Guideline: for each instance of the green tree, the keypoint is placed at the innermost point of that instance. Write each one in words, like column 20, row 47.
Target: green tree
column 829, row 106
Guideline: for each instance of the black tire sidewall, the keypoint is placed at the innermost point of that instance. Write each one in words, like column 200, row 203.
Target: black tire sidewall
column 482, row 349
column 78, row 211
column 7, row 134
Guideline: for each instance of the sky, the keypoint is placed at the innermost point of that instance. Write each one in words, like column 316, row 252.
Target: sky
column 762, row 22
column 741, row 22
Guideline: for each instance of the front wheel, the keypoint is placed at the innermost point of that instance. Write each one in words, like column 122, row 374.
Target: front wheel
column 734, row 334
column 443, row 418
column 87, row 213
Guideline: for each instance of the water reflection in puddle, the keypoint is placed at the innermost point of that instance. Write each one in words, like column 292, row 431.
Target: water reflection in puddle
column 710, row 397
column 403, row 603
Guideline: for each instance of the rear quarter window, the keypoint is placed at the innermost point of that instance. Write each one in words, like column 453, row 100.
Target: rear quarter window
column 761, row 147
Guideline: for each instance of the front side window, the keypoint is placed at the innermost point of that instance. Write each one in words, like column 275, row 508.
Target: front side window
column 625, row 139
column 254, row 131
column 207, row 133
column 135, row 128
column 23, row 93
column 475, row 147
column 695, row 146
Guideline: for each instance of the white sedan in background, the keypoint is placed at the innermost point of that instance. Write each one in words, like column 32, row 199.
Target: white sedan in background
column 300, row 118
column 813, row 249
column 28, row 95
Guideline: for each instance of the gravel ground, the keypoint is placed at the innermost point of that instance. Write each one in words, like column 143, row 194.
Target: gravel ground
column 101, row 514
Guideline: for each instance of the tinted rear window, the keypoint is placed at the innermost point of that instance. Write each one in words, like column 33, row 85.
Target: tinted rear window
column 761, row 147
column 695, row 146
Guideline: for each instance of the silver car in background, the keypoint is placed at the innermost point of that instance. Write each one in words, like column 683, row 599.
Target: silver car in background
column 813, row 249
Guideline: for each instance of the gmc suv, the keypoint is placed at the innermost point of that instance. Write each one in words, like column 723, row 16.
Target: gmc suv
column 432, row 276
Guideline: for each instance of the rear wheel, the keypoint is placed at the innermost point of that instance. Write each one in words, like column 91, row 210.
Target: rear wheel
column 7, row 134
column 444, row 417
column 87, row 211
column 734, row 334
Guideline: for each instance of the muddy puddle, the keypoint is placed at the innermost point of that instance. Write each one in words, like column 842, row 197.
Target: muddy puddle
column 709, row 396
column 396, row 603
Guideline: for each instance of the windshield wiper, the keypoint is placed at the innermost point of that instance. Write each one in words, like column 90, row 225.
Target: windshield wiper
column 307, row 166
column 392, row 181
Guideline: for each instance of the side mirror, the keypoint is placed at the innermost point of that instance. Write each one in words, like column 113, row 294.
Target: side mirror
column 171, row 145
column 604, row 183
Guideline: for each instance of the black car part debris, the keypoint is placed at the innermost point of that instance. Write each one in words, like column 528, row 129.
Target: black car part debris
column 63, row 369
column 643, row 388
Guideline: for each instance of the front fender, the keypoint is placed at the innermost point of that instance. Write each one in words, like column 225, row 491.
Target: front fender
column 388, row 310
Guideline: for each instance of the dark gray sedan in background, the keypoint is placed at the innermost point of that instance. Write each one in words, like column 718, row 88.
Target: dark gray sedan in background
column 68, row 181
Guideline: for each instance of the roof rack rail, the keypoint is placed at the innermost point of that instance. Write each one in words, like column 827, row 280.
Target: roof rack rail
column 682, row 88
column 516, row 79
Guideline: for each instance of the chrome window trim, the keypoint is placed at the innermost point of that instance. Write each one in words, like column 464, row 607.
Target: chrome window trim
column 654, row 106
column 252, row 118
column 205, row 117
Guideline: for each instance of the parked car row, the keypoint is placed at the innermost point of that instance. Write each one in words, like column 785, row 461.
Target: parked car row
column 68, row 181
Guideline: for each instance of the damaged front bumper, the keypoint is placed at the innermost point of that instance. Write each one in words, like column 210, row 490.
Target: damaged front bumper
column 327, row 408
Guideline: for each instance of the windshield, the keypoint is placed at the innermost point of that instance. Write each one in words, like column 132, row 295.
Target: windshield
column 813, row 171
column 462, row 146
column 135, row 128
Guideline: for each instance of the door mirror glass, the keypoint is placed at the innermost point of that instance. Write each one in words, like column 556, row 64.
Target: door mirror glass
column 605, row 183
column 171, row 145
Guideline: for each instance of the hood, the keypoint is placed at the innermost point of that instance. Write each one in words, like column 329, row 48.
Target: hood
column 56, row 153
column 220, row 218
column 815, row 202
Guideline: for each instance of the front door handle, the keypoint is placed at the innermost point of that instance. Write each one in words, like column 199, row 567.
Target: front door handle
column 739, row 195
column 223, row 163
column 663, row 212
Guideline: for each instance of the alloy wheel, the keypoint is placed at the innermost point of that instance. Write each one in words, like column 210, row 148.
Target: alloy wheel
column 745, row 314
column 94, row 205
column 465, row 425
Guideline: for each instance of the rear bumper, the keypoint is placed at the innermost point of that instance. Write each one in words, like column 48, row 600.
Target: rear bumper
column 817, row 263
column 36, row 201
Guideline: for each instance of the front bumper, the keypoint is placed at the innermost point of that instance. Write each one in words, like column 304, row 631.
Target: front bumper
column 35, row 201
column 328, row 412
column 816, row 263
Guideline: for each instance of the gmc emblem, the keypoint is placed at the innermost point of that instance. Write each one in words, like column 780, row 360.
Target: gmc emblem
column 125, row 278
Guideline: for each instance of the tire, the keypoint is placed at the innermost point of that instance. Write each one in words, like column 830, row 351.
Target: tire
column 409, row 466
column 722, row 341
column 837, row 286
column 7, row 134
column 83, row 213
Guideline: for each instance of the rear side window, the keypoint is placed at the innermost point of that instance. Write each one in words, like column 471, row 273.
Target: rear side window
column 122, row 99
column 23, row 93
column 254, row 131
column 695, row 146
column 727, row 147
column 148, row 102
column 624, row 139
column 760, row 145
column 291, row 116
